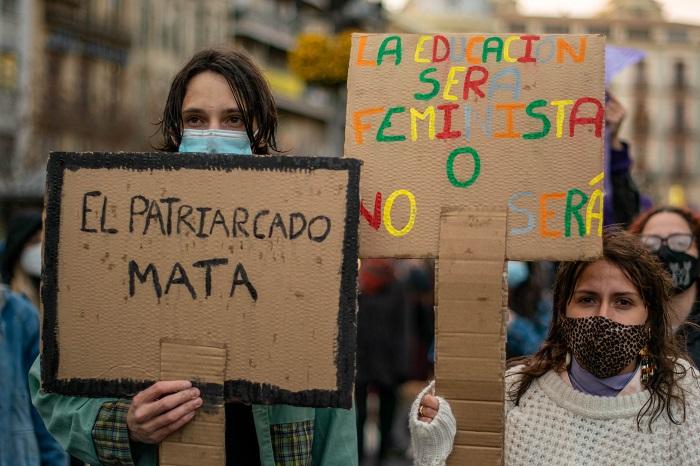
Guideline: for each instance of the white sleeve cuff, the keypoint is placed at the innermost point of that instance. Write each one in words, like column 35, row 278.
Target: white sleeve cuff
column 432, row 442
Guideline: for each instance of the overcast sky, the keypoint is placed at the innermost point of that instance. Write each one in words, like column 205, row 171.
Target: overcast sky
column 682, row 11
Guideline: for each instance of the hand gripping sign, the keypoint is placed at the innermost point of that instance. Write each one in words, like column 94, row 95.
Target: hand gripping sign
column 477, row 148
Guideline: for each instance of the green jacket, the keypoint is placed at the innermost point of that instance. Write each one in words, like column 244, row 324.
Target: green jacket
column 72, row 419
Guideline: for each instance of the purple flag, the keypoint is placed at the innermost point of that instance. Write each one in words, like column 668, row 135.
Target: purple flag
column 619, row 58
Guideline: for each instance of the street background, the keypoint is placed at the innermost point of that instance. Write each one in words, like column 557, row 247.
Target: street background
column 92, row 75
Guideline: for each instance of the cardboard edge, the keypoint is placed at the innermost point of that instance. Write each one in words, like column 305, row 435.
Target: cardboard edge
column 144, row 161
column 49, row 276
column 241, row 390
column 250, row 392
column 347, row 306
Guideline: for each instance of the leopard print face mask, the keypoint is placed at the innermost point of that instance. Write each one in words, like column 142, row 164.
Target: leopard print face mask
column 602, row 346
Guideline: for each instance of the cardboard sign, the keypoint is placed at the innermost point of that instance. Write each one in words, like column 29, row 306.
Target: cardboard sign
column 258, row 254
column 471, row 297
column 473, row 120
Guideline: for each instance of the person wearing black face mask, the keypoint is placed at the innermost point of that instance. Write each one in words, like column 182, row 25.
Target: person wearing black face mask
column 673, row 234
column 672, row 251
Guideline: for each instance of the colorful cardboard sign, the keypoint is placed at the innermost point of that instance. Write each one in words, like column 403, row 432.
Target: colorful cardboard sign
column 258, row 254
column 472, row 120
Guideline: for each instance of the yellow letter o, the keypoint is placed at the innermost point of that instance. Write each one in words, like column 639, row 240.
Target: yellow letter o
column 411, row 216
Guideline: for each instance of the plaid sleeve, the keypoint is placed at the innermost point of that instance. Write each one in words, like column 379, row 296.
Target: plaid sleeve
column 111, row 436
column 292, row 442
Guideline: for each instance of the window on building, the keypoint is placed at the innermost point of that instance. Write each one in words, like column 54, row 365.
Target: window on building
column 604, row 30
column 115, row 79
column 7, row 147
column 277, row 58
column 640, row 34
column 678, row 35
column 288, row 11
column 556, row 29
column 679, row 116
column 178, row 33
column 8, row 7
column 679, row 81
column 89, row 11
column 53, row 86
column 200, row 27
column 164, row 30
column 114, row 12
column 8, row 70
column 145, row 23
column 83, row 83
column 640, row 79
column 640, row 122
column 169, row 26
column 517, row 27
column 679, row 160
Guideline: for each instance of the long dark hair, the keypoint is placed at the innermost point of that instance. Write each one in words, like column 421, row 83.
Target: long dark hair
column 646, row 273
column 250, row 91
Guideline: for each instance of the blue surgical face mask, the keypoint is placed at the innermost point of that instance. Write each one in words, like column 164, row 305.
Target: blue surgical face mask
column 215, row 141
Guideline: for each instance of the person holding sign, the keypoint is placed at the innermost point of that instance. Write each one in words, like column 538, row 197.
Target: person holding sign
column 609, row 385
column 218, row 103
column 673, row 234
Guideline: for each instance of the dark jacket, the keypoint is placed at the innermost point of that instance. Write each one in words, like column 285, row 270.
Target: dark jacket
column 624, row 204
column 382, row 336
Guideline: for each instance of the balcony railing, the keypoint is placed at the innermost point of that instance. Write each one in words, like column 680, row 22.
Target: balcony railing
column 65, row 19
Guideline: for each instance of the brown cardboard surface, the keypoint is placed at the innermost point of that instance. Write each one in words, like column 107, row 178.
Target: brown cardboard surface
column 469, row 316
column 486, row 390
column 410, row 172
column 470, row 330
column 479, row 416
column 482, row 439
column 282, row 306
column 202, row 440
column 466, row 368
column 482, row 346
column 477, row 456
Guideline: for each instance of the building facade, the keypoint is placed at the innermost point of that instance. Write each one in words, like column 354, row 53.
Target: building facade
column 165, row 34
column 93, row 75
column 69, row 89
column 267, row 30
column 661, row 94
column 89, row 75
column 10, row 58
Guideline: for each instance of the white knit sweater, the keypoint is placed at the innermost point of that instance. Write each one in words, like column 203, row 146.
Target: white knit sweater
column 556, row 425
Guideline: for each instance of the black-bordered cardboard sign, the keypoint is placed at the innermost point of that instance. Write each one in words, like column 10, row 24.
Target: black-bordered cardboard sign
column 256, row 253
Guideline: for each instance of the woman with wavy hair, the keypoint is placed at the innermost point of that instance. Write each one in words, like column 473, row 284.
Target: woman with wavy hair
column 610, row 384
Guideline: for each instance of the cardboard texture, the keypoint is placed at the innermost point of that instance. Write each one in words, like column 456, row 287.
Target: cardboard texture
column 477, row 119
column 470, row 330
column 202, row 440
column 255, row 254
